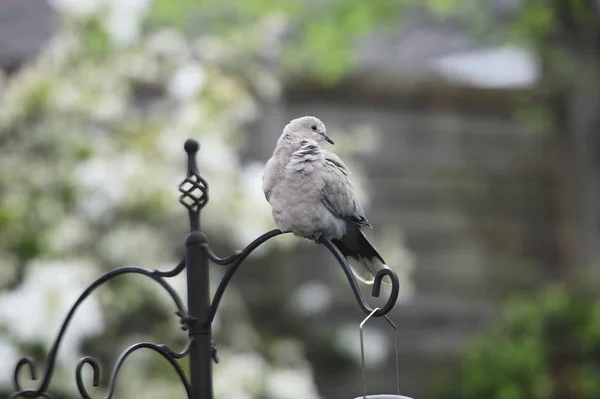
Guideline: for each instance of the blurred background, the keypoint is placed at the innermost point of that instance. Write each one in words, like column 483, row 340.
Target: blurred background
column 471, row 128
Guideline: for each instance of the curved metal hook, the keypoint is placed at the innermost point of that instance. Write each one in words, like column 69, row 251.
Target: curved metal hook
column 221, row 261
column 50, row 363
column 360, row 298
column 96, row 377
column 32, row 371
column 163, row 350
column 174, row 272
column 182, row 353
column 235, row 260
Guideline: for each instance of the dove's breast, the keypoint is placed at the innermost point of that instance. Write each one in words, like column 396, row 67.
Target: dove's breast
column 297, row 207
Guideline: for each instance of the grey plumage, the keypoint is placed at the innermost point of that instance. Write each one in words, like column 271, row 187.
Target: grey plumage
column 311, row 195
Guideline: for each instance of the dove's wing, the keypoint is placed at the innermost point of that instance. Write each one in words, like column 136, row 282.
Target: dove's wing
column 269, row 177
column 337, row 193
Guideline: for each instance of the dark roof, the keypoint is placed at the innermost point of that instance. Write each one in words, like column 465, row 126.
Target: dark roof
column 24, row 27
column 425, row 47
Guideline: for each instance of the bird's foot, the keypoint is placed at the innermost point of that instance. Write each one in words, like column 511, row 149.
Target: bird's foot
column 316, row 237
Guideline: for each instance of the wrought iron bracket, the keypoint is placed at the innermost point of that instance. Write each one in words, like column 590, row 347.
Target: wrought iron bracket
column 166, row 352
column 197, row 320
column 234, row 261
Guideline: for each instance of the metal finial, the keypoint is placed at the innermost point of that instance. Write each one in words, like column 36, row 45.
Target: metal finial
column 191, row 146
column 194, row 189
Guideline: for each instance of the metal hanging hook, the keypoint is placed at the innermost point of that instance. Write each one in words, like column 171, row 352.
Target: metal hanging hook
column 362, row 353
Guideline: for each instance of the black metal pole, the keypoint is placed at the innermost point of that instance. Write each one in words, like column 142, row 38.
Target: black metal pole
column 201, row 354
column 195, row 188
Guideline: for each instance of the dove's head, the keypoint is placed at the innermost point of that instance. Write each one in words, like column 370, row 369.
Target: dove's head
column 307, row 127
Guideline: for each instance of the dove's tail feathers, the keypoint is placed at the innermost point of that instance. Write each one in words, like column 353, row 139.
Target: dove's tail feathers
column 363, row 259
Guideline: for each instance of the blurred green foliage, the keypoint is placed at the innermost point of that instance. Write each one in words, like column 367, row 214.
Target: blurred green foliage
column 544, row 346
column 323, row 31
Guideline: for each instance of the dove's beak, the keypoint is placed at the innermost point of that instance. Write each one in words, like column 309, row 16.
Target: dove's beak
column 327, row 139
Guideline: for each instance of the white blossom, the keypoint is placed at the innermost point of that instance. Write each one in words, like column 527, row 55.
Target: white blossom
column 187, row 81
column 109, row 106
column 67, row 96
column 291, row 384
column 312, row 298
column 123, row 21
column 216, row 155
column 34, row 311
column 134, row 244
column 8, row 360
column 248, row 370
column 211, row 48
column 168, row 43
column 68, row 234
column 104, row 183
column 77, row 7
column 377, row 344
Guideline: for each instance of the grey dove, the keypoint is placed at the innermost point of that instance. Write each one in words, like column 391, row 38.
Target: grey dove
column 312, row 196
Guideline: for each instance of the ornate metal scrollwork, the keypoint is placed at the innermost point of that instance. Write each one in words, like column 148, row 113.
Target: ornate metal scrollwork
column 41, row 391
column 194, row 196
column 235, row 260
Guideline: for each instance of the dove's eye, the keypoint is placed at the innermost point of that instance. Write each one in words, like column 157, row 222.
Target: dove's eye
column 314, row 127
